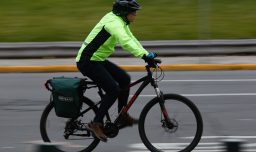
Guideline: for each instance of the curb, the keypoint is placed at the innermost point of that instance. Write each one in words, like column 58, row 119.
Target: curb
column 165, row 67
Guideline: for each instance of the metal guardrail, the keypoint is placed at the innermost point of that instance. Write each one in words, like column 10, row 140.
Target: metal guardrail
column 163, row 48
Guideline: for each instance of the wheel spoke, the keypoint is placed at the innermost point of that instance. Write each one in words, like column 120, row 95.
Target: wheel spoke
column 72, row 134
column 184, row 120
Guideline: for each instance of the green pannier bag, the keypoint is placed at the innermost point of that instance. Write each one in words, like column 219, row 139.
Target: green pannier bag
column 66, row 96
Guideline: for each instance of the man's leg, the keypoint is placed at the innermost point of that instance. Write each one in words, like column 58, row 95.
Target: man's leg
column 123, row 79
column 97, row 73
column 104, row 79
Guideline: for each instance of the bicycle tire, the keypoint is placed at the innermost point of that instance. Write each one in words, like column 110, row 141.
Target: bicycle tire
column 179, row 100
column 50, row 107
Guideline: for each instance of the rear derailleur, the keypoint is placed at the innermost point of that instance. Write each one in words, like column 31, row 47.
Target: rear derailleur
column 72, row 126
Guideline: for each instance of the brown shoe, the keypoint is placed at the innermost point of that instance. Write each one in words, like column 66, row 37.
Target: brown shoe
column 126, row 120
column 97, row 129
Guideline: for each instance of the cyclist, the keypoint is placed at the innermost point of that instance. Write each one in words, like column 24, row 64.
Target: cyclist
column 92, row 61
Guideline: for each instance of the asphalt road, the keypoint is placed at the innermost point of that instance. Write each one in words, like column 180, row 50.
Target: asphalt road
column 226, row 100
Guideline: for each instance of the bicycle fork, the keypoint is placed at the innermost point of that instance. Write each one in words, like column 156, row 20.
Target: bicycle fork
column 167, row 121
column 160, row 97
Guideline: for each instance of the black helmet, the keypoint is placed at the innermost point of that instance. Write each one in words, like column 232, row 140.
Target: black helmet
column 124, row 7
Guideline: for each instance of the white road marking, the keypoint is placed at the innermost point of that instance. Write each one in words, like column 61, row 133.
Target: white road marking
column 225, row 137
column 8, row 147
column 251, row 145
column 220, row 94
column 177, row 145
column 65, row 144
column 211, row 80
column 210, row 94
column 201, row 147
column 207, row 95
column 248, row 119
column 178, row 149
column 205, row 150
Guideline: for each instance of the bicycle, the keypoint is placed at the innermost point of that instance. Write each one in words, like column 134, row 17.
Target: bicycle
column 168, row 122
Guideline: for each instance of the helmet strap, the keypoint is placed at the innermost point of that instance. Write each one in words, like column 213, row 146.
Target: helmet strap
column 125, row 19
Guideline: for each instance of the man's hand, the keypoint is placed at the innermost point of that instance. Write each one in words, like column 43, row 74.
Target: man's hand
column 151, row 55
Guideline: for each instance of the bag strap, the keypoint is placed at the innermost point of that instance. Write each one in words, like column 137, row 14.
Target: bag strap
column 48, row 84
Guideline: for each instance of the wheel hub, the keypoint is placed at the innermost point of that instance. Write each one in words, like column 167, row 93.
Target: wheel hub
column 170, row 125
column 73, row 126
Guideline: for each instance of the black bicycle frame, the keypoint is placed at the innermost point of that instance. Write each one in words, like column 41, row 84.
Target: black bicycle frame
column 146, row 80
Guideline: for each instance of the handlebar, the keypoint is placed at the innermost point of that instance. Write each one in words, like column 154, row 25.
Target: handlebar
column 158, row 61
column 152, row 63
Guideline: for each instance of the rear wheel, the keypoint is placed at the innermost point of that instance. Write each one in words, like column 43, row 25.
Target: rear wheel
column 70, row 135
column 180, row 133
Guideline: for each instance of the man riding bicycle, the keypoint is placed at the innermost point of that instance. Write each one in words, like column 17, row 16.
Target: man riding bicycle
column 92, row 61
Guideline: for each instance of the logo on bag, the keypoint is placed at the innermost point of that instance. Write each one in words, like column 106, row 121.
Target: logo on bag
column 65, row 99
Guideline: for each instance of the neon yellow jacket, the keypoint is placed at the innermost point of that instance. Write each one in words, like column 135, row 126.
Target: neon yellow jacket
column 110, row 31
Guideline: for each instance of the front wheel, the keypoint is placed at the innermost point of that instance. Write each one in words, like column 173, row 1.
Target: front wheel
column 181, row 132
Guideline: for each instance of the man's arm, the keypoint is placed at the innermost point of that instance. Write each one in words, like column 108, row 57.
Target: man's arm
column 126, row 39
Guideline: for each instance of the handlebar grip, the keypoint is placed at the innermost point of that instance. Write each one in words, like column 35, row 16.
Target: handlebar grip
column 158, row 61
column 153, row 62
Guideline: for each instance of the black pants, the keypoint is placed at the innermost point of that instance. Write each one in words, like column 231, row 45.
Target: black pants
column 112, row 79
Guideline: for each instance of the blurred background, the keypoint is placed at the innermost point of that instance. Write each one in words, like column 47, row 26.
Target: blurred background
column 66, row 20
column 225, row 98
